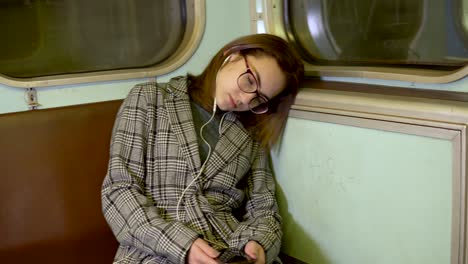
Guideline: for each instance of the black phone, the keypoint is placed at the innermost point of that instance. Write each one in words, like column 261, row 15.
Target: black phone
column 231, row 256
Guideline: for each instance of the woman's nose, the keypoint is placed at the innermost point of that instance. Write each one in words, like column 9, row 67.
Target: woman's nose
column 246, row 98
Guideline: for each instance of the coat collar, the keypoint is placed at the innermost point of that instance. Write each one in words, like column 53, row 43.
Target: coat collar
column 177, row 104
column 233, row 139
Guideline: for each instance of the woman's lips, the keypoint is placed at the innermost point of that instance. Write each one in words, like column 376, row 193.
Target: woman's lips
column 233, row 103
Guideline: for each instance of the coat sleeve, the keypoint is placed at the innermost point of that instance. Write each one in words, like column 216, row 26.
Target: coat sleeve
column 132, row 216
column 261, row 222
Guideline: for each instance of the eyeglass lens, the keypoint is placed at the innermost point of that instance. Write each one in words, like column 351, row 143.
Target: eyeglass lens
column 247, row 83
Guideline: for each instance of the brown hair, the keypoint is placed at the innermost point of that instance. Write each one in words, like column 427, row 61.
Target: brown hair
column 265, row 128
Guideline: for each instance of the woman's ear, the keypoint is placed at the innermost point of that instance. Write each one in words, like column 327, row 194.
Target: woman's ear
column 231, row 50
column 228, row 58
column 231, row 57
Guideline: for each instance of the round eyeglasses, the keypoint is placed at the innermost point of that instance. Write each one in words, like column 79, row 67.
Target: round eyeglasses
column 249, row 84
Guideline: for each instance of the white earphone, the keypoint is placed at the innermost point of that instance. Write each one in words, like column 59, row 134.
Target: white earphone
column 204, row 163
column 206, row 142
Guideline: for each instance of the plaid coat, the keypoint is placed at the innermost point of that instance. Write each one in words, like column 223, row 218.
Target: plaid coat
column 154, row 156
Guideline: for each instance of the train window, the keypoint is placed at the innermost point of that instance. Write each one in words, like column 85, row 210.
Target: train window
column 380, row 32
column 51, row 38
column 429, row 35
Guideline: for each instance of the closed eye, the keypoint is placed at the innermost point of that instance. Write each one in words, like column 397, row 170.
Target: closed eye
column 251, row 80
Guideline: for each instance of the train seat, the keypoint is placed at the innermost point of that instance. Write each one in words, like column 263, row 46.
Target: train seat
column 53, row 162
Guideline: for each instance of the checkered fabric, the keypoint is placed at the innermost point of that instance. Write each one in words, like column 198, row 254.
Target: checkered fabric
column 154, row 157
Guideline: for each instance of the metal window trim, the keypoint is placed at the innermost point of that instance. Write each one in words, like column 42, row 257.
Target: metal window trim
column 275, row 24
column 196, row 19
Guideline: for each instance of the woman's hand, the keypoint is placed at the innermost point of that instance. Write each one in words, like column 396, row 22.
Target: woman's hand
column 255, row 252
column 202, row 252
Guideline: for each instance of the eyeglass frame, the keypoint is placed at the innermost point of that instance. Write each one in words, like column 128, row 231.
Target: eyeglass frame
column 259, row 96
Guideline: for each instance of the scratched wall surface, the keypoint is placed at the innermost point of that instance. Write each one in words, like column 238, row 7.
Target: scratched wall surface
column 352, row 195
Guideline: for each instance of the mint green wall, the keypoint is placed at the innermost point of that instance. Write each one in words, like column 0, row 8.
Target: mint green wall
column 352, row 195
column 225, row 20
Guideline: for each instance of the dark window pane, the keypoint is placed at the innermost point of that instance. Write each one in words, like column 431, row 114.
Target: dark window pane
column 49, row 37
column 377, row 32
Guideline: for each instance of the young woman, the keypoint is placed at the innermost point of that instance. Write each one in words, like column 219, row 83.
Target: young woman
column 189, row 178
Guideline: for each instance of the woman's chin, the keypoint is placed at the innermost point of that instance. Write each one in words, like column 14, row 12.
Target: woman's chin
column 223, row 108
